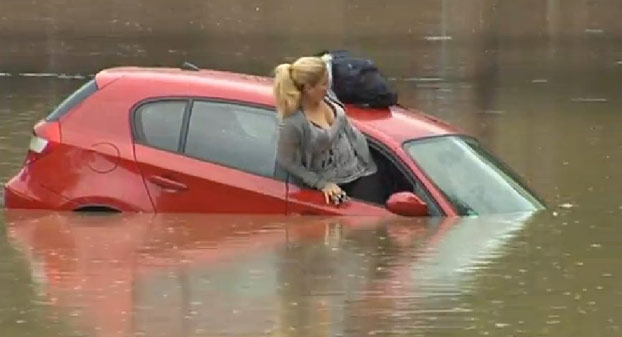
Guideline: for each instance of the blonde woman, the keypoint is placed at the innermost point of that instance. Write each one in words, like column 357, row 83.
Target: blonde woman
column 317, row 143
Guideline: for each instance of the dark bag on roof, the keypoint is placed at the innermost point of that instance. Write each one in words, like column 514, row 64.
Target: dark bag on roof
column 357, row 80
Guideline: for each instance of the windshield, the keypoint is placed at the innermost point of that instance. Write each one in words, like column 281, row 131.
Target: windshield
column 471, row 178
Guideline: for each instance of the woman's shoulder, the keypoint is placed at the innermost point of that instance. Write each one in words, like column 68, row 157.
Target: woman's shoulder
column 294, row 118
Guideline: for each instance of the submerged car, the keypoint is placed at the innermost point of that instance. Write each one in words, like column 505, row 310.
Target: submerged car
column 202, row 141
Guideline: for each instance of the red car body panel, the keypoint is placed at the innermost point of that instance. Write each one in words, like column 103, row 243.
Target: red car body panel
column 181, row 184
column 98, row 164
column 305, row 201
column 22, row 192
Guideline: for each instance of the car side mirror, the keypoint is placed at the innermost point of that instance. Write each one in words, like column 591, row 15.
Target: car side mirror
column 406, row 204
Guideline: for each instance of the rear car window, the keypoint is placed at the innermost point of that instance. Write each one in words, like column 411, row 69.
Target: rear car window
column 159, row 124
column 74, row 99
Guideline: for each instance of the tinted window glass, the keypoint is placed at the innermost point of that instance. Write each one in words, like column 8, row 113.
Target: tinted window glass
column 74, row 99
column 159, row 124
column 233, row 135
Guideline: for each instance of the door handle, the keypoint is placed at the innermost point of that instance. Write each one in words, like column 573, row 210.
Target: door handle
column 168, row 184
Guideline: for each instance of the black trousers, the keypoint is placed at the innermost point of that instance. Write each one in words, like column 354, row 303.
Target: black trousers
column 369, row 188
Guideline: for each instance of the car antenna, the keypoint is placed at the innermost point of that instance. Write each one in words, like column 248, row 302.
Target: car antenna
column 189, row 66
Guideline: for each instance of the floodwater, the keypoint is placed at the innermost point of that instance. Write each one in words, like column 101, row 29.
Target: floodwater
column 538, row 82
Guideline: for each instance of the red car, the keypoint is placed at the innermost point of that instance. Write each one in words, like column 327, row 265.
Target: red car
column 180, row 140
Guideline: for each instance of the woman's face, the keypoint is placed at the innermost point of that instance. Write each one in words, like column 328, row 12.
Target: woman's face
column 317, row 92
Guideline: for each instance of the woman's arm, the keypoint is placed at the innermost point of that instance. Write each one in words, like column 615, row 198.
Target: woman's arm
column 287, row 156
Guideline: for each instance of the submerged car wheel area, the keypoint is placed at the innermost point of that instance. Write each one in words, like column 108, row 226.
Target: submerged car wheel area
column 171, row 140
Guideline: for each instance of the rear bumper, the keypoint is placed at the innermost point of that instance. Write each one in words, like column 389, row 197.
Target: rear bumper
column 17, row 200
column 20, row 194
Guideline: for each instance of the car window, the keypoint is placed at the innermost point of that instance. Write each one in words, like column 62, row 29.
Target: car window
column 473, row 180
column 158, row 124
column 234, row 135
column 84, row 92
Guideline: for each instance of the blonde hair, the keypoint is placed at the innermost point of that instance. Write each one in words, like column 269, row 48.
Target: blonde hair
column 290, row 80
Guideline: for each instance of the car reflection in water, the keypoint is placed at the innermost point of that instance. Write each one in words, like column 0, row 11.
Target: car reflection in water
column 179, row 275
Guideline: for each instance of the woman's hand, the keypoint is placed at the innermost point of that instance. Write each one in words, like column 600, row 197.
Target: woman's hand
column 331, row 190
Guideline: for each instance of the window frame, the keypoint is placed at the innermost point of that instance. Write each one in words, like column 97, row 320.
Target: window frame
column 412, row 178
column 276, row 175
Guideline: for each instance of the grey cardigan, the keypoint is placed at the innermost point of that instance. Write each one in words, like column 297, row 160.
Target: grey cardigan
column 294, row 151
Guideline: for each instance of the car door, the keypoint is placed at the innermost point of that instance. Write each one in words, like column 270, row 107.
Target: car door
column 392, row 176
column 204, row 156
column 306, row 201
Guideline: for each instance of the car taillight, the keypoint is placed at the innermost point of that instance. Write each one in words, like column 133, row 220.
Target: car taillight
column 45, row 137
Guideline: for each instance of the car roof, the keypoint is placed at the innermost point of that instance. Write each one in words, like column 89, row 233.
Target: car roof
column 396, row 123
